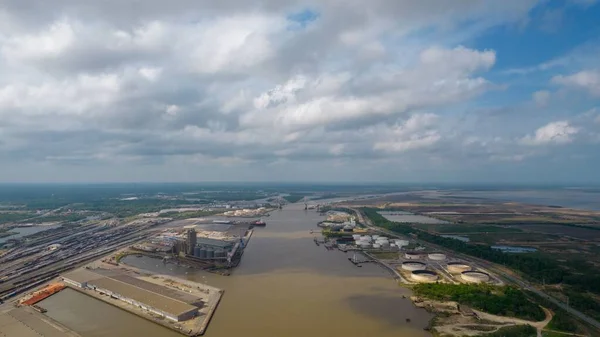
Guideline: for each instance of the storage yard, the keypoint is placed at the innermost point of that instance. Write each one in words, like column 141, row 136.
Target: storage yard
column 411, row 262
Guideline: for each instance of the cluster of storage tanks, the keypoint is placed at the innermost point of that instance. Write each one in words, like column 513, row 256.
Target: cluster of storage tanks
column 209, row 253
column 418, row 256
column 418, row 272
column 378, row 242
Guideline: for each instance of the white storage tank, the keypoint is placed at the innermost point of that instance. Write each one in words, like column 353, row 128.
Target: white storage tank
column 401, row 243
column 356, row 237
column 376, row 246
column 475, row 277
column 437, row 256
column 458, row 267
column 413, row 265
column 424, row 276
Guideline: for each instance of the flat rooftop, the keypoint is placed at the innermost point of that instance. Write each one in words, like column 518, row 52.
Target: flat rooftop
column 213, row 242
column 158, row 297
column 82, row 275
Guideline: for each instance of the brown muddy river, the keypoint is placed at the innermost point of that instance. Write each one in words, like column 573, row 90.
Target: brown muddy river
column 285, row 286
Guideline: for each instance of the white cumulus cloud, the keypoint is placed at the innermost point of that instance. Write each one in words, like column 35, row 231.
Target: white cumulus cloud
column 560, row 132
column 588, row 80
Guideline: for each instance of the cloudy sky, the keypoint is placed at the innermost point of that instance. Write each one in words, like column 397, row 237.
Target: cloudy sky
column 300, row 90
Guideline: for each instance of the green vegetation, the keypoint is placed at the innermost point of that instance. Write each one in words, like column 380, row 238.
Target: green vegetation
column 474, row 229
column 503, row 301
column 584, row 302
column 14, row 217
column 328, row 233
column 494, row 238
column 58, row 218
column 385, row 255
column 127, row 208
column 553, row 334
column 534, row 266
column 336, row 209
column 187, row 215
column 515, row 331
column 561, row 321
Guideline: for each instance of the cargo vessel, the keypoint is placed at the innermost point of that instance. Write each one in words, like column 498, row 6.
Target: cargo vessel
column 44, row 293
column 259, row 223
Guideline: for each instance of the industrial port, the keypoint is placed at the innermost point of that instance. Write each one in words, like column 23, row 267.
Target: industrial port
column 39, row 267
column 175, row 303
column 409, row 261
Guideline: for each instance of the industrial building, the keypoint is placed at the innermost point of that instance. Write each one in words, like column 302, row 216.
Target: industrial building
column 212, row 249
column 191, row 241
column 169, row 303
column 214, row 244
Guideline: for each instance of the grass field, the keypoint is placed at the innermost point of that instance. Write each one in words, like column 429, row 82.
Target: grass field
column 462, row 229
column 386, row 255
column 494, row 238
column 581, row 233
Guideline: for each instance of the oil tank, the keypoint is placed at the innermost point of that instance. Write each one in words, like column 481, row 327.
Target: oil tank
column 458, row 267
column 412, row 255
column 413, row 265
column 475, row 277
column 197, row 251
column 424, row 276
column 401, row 243
column 210, row 254
column 437, row 256
column 202, row 253
column 376, row 246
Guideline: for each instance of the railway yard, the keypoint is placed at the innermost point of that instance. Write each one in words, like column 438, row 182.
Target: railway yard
column 45, row 255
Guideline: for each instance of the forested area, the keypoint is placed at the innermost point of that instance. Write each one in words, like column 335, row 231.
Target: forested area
column 503, row 301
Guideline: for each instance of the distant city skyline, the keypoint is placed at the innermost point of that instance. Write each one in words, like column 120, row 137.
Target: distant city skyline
column 300, row 91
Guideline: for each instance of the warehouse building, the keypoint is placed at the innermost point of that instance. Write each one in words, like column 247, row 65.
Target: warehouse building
column 169, row 303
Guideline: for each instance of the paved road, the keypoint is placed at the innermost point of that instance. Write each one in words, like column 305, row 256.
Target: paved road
column 521, row 283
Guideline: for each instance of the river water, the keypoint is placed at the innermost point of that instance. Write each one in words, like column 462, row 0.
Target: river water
column 284, row 286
